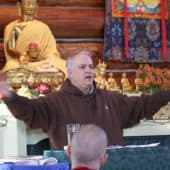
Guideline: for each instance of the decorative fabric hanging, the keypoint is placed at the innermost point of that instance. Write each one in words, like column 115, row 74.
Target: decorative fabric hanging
column 163, row 26
column 141, row 9
column 126, row 29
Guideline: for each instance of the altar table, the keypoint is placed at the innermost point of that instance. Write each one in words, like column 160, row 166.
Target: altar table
column 146, row 158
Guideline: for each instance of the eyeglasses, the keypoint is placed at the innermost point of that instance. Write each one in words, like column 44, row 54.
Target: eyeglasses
column 84, row 66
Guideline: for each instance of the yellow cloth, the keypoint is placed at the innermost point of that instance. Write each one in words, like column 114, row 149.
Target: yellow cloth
column 35, row 31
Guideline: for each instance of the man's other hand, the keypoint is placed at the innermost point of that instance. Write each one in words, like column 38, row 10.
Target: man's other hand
column 4, row 92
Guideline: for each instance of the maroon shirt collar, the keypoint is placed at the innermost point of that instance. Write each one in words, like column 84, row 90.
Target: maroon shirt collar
column 81, row 168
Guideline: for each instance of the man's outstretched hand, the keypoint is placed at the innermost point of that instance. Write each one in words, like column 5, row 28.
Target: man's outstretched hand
column 4, row 92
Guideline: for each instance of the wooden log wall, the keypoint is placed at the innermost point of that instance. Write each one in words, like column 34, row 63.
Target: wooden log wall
column 76, row 25
column 76, row 28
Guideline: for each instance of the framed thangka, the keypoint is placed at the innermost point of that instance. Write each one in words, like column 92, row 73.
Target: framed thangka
column 137, row 31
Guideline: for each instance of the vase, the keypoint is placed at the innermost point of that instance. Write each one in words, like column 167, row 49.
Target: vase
column 154, row 90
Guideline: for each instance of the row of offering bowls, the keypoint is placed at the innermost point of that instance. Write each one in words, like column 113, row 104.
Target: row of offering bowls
column 20, row 76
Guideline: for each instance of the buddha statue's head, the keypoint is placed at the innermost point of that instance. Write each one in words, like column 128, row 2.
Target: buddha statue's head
column 28, row 8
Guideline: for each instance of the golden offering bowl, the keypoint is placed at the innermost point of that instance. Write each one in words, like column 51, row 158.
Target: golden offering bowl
column 17, row 77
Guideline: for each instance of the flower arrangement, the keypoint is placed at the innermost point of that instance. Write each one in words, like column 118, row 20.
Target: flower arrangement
column 152, row 78
column 28, row 92
column 34, row 84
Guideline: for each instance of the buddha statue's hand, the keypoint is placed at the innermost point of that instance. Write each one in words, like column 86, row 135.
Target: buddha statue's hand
column 14, row 53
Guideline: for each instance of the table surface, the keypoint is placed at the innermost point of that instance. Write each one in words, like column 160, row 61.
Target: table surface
column 150, row 158
column 63, row 166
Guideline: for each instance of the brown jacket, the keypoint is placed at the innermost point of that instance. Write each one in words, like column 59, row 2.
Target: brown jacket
column 110, row 110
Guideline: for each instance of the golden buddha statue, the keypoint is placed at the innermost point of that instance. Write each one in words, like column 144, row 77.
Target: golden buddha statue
column 100, row 79
column 20, row 33
column 111, row 83
column 126, row 86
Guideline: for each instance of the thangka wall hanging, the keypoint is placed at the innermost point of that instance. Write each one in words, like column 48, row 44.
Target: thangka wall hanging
column 136, row 30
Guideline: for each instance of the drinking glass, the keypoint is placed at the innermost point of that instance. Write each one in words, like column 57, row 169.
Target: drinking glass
column 71, row 129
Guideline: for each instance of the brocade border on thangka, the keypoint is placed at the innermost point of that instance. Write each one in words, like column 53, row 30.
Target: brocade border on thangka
column 138, row 8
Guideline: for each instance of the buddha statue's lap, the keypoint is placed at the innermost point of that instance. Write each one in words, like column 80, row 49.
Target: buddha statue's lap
column 20, row 33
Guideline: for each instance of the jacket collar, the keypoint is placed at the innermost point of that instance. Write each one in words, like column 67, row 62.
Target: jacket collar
column 69, row 88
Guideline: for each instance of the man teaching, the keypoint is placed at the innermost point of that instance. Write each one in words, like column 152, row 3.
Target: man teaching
column 80, row 101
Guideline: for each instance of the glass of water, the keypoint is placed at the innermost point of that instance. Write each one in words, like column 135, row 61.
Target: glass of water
column 71, row 129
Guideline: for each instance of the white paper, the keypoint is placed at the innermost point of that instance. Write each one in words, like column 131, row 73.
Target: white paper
column 133, row 146
column 33, row 160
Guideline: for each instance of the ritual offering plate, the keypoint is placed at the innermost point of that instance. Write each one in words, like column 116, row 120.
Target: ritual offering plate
column 18, row 77
column 163, row 115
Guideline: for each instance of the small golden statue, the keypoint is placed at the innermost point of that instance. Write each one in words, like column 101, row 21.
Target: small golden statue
column 20, row 33
column 126, row 86
column 138, row 83
column 111, row 83
column 100, row 79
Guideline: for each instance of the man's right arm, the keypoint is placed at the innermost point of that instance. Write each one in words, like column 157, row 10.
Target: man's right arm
column 35, row 113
